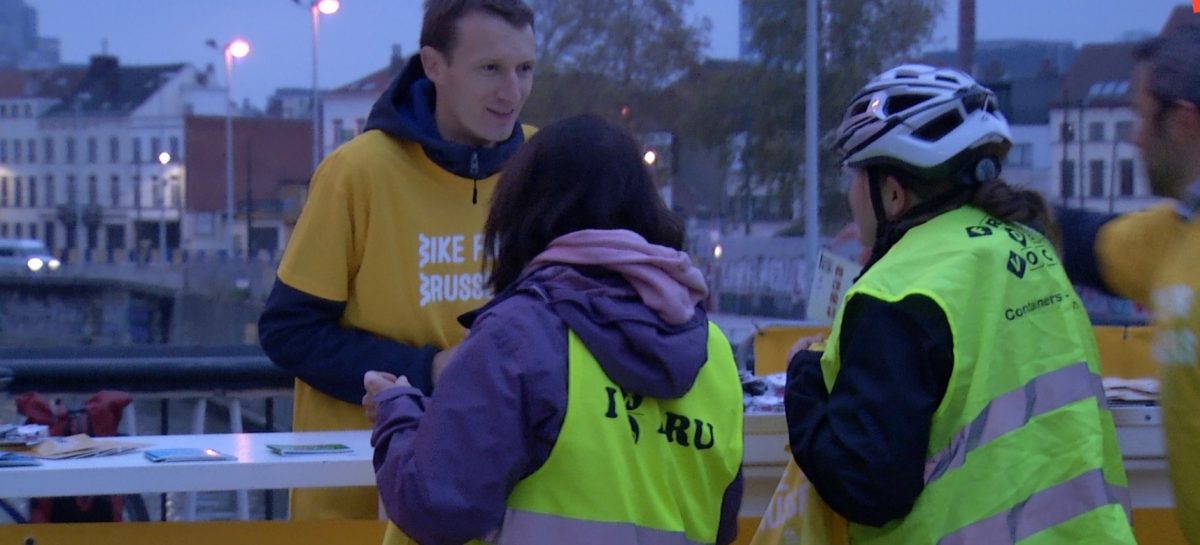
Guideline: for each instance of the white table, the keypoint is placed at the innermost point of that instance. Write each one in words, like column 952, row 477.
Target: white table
column 256, row 468
column 1138, row 430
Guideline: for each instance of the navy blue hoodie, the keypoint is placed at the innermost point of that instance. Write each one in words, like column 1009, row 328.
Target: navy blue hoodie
column 300, row 332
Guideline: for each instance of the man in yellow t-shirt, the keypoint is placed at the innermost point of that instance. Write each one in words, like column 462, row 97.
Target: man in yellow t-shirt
column 386, row 254
column 1153, row 256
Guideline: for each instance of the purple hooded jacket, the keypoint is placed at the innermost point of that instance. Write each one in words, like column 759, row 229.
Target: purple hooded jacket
column 446, row 466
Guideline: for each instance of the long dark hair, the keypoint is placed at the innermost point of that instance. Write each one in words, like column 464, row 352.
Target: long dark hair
column 576, row 174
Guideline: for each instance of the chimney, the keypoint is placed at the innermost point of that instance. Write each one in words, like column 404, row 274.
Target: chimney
column 104, row 71
column 966, row 36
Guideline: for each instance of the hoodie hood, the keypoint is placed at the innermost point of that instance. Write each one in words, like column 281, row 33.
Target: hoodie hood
column 405, row 110
column 638, row 349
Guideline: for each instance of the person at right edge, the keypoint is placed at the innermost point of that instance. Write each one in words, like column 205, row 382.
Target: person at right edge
column 386, row 253
column 1153, row 256
column 958, row 400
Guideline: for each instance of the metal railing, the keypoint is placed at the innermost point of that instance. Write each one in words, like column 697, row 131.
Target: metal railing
column 160, row 379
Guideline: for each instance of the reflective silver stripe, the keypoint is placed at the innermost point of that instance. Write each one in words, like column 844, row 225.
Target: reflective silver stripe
column 1012, row 410
column 527, row 528
column 1046, row 509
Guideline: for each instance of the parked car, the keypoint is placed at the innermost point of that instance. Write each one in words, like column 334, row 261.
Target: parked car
column 26, row 255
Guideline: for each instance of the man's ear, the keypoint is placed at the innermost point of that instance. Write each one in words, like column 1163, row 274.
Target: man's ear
column 895, row 198
column 433, row 62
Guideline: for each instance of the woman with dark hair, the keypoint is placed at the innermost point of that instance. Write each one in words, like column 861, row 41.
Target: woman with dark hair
column 959, row 398
column 592, row 402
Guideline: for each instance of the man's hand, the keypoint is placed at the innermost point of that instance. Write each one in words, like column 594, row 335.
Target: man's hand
column 375, row 382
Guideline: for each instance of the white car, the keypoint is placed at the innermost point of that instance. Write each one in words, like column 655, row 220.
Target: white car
column 26, row 255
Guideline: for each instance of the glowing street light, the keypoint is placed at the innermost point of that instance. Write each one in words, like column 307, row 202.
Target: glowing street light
column 234, row 49
column 163, row 159
column 650, row 157
column 317, row 8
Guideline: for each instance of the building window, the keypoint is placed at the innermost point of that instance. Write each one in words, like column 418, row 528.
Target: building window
column 137, row 150
column 1068, row 179
column 359, row 123
column 1096, row 178
column 176, row 196
column 31, row 150
column 32, row 193
column 3, row 192
column 3, row 110
column 72, row 190
column 16, row 148
column 92, row 151
column 1066, row 132
column 1096, row 131
column 1021, row 155
column 1124, row 131
column 33, row 230
column 18, row 201
column 338, row 132
column 3, row 229
column 51, row 195
column 175, row 156
column 3, row 151
column 18, row 230
column 28, row 111
column 137, row 191
column 155, row 148
column 114, row 150
column 70, row 150
column 156, row 191
column 114, row 191
column 48, row 150
column 1126, row 177
column 93, row 190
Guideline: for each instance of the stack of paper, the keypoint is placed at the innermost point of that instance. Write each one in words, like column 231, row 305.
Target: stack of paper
column 80, row 446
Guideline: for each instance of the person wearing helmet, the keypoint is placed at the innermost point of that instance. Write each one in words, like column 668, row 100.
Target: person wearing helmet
column 959, row 397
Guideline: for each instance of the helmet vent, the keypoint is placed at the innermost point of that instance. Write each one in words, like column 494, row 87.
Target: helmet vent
column 860, row 108
column 900, row 103
column 939, row 127
column 945, row 78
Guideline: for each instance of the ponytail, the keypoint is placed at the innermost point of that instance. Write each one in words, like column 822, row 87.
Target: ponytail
column 1017, row 205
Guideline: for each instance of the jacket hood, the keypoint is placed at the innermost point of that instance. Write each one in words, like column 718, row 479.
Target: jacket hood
column 626, row 300
column 405, row 110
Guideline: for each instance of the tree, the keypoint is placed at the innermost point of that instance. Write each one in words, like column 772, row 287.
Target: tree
column 601, row 56
column 858, row 39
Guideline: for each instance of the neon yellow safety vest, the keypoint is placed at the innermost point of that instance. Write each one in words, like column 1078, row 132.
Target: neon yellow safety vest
column 633, row 469
column 1022, row 448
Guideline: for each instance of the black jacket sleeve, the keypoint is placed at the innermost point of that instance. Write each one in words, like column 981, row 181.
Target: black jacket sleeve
column 1079, row 231
column 863, row 444
column 302, row 334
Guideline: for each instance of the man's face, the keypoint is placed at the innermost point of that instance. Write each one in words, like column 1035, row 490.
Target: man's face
column 484, row 81
column 1161, row 153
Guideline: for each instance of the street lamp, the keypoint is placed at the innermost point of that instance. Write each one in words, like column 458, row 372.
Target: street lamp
column 317, row 8
column 650, row 157
column 235, row 49
column 163, row 159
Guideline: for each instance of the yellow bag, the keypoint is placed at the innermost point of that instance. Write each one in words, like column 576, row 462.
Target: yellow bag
column 796, row 515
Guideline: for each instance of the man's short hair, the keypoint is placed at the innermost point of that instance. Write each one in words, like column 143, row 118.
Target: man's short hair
column 1173, row 60
column 439, row 28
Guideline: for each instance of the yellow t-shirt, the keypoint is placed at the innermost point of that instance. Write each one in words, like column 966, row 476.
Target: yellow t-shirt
column 397, row 238
column 1153, row 257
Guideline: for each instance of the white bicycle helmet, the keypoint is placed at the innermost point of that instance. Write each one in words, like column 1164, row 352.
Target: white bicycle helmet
column 935, row 123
